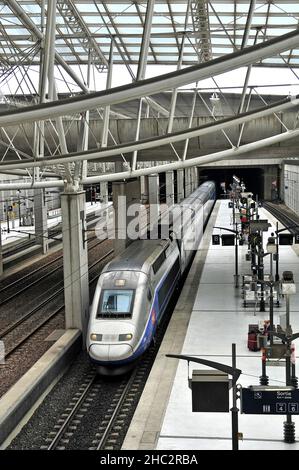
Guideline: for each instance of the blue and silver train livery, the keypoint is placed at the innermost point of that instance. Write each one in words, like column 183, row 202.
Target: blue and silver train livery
column 134, row 289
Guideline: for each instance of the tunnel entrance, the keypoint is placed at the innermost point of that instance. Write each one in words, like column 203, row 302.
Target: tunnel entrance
column 253, row 178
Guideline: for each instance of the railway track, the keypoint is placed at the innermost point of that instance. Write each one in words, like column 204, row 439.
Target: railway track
column 53, row 232
column 20, row 331
column 100, row 410
column 17, row 284
column 284, row 218
column 17, row 248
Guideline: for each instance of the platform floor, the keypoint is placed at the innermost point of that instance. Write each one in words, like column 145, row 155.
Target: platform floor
column 217, row 320
column 12, row 236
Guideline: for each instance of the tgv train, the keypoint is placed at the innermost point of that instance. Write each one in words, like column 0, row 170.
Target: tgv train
column 134, row 289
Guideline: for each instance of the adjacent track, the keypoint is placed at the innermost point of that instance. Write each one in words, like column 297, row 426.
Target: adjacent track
column 280, row 214
column 17, row 284
column 22, row 329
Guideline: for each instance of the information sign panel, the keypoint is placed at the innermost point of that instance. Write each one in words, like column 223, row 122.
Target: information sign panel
column 270, row 400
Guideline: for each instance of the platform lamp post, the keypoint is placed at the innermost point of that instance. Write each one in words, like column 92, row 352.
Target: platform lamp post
column 260, row 270
column 277, row 255
column 7, row 216
column 19, row 207
column 288, row 288
column 277, row 231
column 236, row 232
column 230, row 370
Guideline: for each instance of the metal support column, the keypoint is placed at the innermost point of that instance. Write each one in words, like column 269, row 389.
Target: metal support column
column 187, row 182
column 145, row 39
column 106, row 117
column 142, row 65
column 104, row 191
column 175, row 90
column 194, row 178
column 180, row 185
column 126, row 202
column 234, row 409
column 190, row 123
column 244, row 91
column 83, row 142
column 169, row 188
column 75, row 260
column 40, row 219
column 248, row 24
column 154, row 198
column 144, row 189
column 1, row 257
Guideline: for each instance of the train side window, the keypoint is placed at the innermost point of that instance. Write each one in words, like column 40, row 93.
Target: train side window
column 149, row 295
column 158, row 262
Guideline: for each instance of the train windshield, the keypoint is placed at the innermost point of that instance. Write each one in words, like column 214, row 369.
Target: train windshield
column 115, row 303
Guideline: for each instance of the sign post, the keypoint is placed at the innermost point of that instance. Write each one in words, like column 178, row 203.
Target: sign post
column 234, row 372
column 236, row 233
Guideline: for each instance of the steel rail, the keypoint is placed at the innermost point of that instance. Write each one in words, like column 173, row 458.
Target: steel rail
column 71, row 415
column 283, row 218
column 45, row 320
column 89, row 218
column 116, row 410
column 44, row 276
column 31, row 333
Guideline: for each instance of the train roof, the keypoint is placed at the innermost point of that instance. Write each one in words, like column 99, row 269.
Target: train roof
column 135, row 255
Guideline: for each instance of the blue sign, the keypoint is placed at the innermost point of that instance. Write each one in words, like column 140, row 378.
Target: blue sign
column 270, row 400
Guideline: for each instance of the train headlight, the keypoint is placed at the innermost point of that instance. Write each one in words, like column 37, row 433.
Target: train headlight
column 95, row 337
column 126, row 337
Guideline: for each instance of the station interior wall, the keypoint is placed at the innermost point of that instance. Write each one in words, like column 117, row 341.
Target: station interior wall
column 291, row 186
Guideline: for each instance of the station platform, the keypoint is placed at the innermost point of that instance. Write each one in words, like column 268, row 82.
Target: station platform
column 208, row 318
column 19, row 248
column 13, row 236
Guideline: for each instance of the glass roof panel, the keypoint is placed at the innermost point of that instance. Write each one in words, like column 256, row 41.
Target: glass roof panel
column 132, row 30
column 115, row 7
column 92, row 19
column 289, row 7
column 128, row 19
column 286, row 20
column 33, row 8
column 85, row 23
column 86, row 7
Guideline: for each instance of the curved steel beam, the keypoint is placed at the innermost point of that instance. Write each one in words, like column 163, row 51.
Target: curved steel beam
column 152, row 85
column 155, row 141
column 197, row 161
column 28, row 23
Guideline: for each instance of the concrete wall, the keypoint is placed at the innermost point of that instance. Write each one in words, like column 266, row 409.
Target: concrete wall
column 123, row 130
column 291, row 187
column 271, row 183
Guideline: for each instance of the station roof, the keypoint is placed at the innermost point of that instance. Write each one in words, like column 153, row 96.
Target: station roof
column 211, row 29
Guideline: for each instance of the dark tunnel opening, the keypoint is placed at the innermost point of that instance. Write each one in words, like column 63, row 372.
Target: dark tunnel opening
column 253, row 178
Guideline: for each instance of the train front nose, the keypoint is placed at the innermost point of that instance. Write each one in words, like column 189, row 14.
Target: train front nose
column 110, row 352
